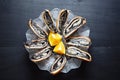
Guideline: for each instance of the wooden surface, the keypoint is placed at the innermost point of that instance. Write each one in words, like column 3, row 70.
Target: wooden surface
column 103, row 18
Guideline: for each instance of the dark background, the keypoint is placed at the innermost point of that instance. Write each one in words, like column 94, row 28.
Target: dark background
column 103, row 18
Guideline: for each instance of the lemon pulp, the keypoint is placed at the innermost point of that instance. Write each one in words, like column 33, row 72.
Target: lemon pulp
column 55, row 39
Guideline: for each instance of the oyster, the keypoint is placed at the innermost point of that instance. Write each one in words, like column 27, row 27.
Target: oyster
column 79, row 41
column 78, row 53
column 37, row 44
column 58, row 65
column 74, row 25
column 41, row 55
column 37, row 30
column 62, row 19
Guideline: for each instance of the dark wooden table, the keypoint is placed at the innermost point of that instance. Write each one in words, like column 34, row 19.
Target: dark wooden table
column 103, row 17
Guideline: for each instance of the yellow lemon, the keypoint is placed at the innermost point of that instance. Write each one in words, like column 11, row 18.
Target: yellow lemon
column 54, row 38
column 59, row 48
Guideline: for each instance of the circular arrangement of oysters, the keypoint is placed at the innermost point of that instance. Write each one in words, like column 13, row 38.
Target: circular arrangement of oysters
column 56, row 38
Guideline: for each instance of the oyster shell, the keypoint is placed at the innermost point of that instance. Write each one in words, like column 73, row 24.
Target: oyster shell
column 41, row 55
column 49, row 21
column 37, row 30
column 62, row 19
column 79, row 41
column 78, row 53
column 58, row 65
column 74, row 25
column 37, row 44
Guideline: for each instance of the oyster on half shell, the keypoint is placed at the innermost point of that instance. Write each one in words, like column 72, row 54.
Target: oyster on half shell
column 55, row 44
